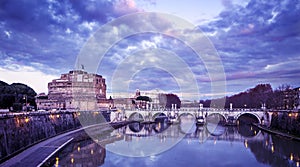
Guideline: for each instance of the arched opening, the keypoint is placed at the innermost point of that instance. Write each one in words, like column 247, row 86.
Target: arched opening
column 215, row 124
column 187, row 123
column 216, row 118
column 247, row 118
column 160, row 117
column 160, row 122
column 245, row 125
column 136, row 117
column 136, row 126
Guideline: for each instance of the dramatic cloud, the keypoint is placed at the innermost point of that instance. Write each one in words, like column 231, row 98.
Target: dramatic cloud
column 257, row 41
column 52, row 32
column 11, row 71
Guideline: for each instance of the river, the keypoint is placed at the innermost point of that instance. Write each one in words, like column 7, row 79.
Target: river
column 182, row 144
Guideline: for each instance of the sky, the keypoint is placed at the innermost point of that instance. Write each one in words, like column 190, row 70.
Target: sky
column 257, row 41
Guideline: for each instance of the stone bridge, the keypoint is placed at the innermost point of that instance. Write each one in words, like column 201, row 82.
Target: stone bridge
column 225, row 115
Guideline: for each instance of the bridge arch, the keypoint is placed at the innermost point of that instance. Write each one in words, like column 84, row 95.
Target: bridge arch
column 136, row 117
column 183, row 114
column 158, row 115
column 216, row 118
column 187, row 123
column 254, row 116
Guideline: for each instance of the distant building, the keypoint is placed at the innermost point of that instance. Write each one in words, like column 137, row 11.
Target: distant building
column 288, row 99
column 291, row 99
column 188, row 103
column 297, row 98
column 43, row 103
column 124, row 103
column 131, row 102
column 74, row 90
column 155, row 97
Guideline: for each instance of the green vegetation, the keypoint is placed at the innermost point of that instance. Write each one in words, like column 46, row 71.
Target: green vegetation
column 15, row 96
column 144, row 98
column 166, row 100
column 261, row 94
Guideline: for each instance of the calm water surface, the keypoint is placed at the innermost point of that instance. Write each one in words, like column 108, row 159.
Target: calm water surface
column 161, row 145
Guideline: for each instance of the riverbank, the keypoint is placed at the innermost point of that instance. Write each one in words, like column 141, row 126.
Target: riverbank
column 19, row 131
column 276, row 132
column 41, row 152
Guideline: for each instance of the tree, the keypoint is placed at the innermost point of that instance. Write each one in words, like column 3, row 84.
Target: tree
column 144, row 98
column 283, row 97
column 260, row 94
column 252, row 98
column 162, row 98
column 16, row 93
column 172, row 99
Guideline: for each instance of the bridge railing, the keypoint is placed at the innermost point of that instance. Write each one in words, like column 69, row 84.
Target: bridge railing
column 218, row 109
column 13, row 114
column 195, row 109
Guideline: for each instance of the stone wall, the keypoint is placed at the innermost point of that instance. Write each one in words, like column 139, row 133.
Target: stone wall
column 18, row 131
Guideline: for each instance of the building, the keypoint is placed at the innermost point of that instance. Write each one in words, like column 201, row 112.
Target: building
column 43, row 103
column 189, row 103
column 297, row 98
column 153, row 99
column 74, row 90
column 124, row 103
column 291, row 99
column 288, row 99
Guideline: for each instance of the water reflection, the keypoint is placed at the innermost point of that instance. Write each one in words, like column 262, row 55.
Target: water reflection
column 275, row 150
column 136, row 127
column 81, row 153
column 248, row 130
column 187, row 123
column 145, row 129
column 160, row 126
column 202, row 146
column 215, row 129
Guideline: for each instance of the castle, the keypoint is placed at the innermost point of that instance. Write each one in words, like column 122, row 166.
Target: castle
column 74, row 90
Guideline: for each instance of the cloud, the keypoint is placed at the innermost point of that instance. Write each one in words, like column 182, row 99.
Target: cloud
column 227, row 3
column 124, row 6
column 53, row 31
column 258, row 40
column 33, row 77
